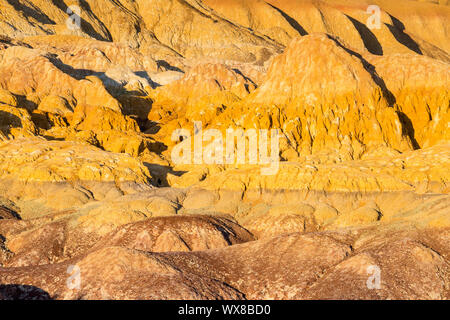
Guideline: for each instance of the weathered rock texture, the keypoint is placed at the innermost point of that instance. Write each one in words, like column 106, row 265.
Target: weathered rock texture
column 93, row 206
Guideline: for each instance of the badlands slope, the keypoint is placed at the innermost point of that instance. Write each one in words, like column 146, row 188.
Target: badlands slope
column 93, row 206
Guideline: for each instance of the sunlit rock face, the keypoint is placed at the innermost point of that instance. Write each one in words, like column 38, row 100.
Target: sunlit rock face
column 237, row 149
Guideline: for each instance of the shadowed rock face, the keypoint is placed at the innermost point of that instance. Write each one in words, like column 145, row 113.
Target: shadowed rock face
column 94, row 206
column 21, row 292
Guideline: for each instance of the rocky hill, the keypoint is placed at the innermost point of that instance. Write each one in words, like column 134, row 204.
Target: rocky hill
column 96, row 97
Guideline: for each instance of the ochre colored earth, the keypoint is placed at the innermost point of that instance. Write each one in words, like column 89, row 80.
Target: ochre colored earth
column 93, row 204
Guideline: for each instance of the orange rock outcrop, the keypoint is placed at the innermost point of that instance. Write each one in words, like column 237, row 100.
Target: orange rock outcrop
column 87, row 177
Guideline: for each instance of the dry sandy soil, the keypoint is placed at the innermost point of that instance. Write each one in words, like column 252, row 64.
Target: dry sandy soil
column 94, row 206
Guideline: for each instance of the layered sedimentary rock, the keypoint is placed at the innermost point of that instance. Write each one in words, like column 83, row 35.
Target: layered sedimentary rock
column 322, row 97
column 93, row 204
column 322, row 263
column 424, row 114
column 284, row 20
column 64, row 174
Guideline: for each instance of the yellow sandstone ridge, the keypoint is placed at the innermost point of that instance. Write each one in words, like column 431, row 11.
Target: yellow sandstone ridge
column 89, row 120
column 324, row 98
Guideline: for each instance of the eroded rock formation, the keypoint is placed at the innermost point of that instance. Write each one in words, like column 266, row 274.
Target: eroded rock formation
column 91, row 93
